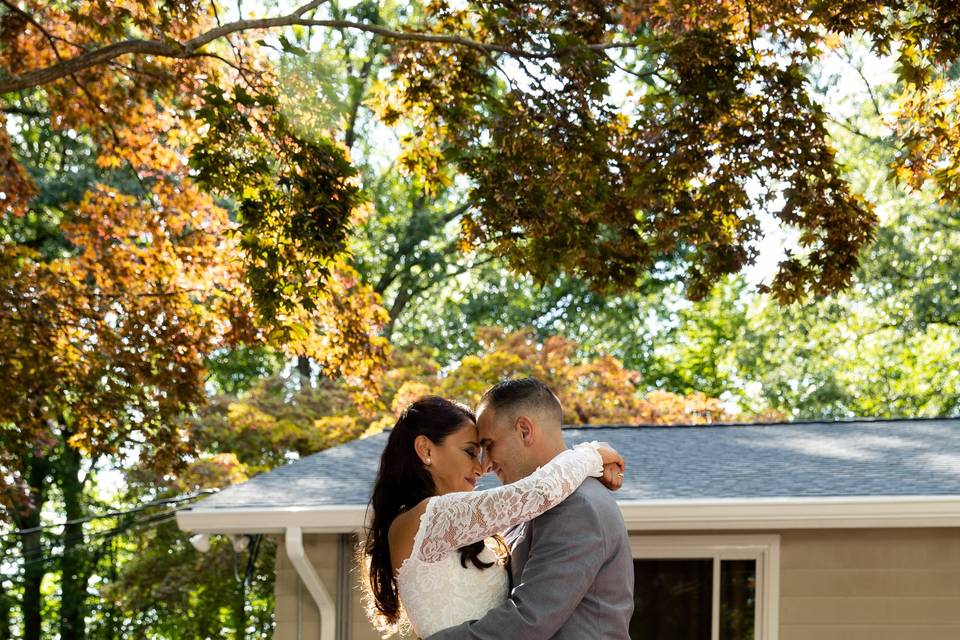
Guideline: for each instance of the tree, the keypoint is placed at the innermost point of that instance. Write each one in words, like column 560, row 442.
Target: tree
column 596, row 390
column 564, row 177
column 161, row 585
column 102, row 348
column 889, row 345
column 609, row 157
column 405, row 243
column 117, row 281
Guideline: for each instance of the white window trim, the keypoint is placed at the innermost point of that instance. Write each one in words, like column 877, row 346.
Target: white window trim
column 764, row 549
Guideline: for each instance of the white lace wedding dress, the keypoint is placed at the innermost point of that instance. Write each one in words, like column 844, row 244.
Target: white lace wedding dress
column 435, row 590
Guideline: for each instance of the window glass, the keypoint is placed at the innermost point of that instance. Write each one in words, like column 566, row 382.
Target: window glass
column 738, row 597
column 672, row 599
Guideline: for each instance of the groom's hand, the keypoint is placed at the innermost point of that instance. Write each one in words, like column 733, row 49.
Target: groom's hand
column 612, row 477
column 613, row 466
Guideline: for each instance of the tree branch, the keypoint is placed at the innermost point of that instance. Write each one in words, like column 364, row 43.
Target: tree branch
column 408, row 295
column 29, row 113
column 409, row 242
column 83, row 89
column 750, row 25
column 46, row 34
column 642, row 76
column 358, row 82
column 848, row 59
column 877, row 140
column 453, row 214
column 239, row 65
column 191, row 48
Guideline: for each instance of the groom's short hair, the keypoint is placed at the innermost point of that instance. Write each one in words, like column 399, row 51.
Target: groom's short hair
column 522, row 395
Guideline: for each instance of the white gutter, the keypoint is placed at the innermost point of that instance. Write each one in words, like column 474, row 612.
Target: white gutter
column 793, row 513
column 308, row 575
column 323, row 519
column 646, row 515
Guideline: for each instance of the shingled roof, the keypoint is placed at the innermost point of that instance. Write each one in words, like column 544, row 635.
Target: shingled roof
column 719, row 462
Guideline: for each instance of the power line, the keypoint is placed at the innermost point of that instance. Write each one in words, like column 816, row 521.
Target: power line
column 112, row 514
column 48, row 555
column 82, row 542
column 76, row 541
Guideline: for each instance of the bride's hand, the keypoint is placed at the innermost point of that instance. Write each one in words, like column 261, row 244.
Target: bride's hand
column 613, row 466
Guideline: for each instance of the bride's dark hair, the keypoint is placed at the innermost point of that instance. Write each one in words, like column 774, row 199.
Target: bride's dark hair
column 402, row 483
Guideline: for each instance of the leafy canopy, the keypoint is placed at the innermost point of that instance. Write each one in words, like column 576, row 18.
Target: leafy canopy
column 568, row 171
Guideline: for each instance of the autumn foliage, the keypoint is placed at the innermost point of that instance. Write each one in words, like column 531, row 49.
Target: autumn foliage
column 261, row 426
column 115, row 291
column 151, row 280
column 161, row 207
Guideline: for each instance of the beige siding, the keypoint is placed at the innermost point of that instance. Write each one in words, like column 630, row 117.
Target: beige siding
column 876, row 584
column 291, row 595
column 322, row 551
column 850, row 584
column 360, row 627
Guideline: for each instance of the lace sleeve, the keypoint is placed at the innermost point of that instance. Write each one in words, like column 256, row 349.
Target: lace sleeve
column 456, row 519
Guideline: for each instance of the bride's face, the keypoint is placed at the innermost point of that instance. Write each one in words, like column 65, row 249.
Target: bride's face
column 455, row 464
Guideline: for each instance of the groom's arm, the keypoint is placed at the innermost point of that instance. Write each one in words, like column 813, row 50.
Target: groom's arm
column 566, row 553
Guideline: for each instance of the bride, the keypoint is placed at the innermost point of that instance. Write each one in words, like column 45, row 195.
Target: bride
column 433, row 557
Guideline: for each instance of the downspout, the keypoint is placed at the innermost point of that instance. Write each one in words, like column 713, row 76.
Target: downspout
column 308, row 575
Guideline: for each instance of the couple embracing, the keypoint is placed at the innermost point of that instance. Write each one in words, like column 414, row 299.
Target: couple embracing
column 546, row 555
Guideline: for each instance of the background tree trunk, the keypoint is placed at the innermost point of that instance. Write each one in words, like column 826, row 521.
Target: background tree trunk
column 5, row 605
column 74, row 571
column 240, row 611
column 34, row 555
column 305, row 371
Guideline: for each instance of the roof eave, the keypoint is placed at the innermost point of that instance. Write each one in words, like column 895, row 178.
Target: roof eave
column 653, row 515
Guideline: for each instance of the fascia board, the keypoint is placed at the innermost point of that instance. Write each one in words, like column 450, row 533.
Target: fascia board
column 325, row 519
column 680, row 515
column 793, row 513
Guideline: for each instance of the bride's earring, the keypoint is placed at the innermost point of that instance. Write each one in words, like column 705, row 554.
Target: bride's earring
column 427, row 462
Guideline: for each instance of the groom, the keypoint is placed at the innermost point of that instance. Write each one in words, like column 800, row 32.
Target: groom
column 572, row 567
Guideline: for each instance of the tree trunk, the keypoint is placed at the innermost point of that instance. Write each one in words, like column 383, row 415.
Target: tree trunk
column 74, row 570
column 305, row 370
column 112, row 615
column 240, row 611
column 5, row 606
column 34, row 556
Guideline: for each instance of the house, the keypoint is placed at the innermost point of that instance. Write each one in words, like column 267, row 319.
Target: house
column 793, row 531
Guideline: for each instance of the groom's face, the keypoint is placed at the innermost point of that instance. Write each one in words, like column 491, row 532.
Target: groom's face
column 502, row 448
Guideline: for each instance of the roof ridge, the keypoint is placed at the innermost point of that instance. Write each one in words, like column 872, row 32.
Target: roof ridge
column 759, row 424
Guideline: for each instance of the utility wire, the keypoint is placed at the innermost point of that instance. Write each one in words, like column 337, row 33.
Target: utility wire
column 37, row 558
column 112, row 514
column 75, row 542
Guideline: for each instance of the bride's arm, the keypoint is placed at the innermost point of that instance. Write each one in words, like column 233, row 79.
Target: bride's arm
column 453, row 520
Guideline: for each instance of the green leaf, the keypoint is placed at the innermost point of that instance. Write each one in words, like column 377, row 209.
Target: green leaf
column 289, row 47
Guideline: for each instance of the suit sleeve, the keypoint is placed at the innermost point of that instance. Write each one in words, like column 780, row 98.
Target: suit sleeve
column 566, row 553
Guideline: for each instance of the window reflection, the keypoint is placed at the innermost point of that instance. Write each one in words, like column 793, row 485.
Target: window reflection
column 738, row 582
column 673, row 599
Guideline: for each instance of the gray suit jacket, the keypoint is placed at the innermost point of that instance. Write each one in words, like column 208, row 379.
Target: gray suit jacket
column 572, row 575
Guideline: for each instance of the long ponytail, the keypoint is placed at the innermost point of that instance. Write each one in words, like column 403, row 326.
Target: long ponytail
column 403, row 482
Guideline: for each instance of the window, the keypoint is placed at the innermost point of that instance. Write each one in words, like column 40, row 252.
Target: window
column 705, row 587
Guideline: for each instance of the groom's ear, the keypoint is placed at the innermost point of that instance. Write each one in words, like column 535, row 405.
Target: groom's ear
column 528, row 431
